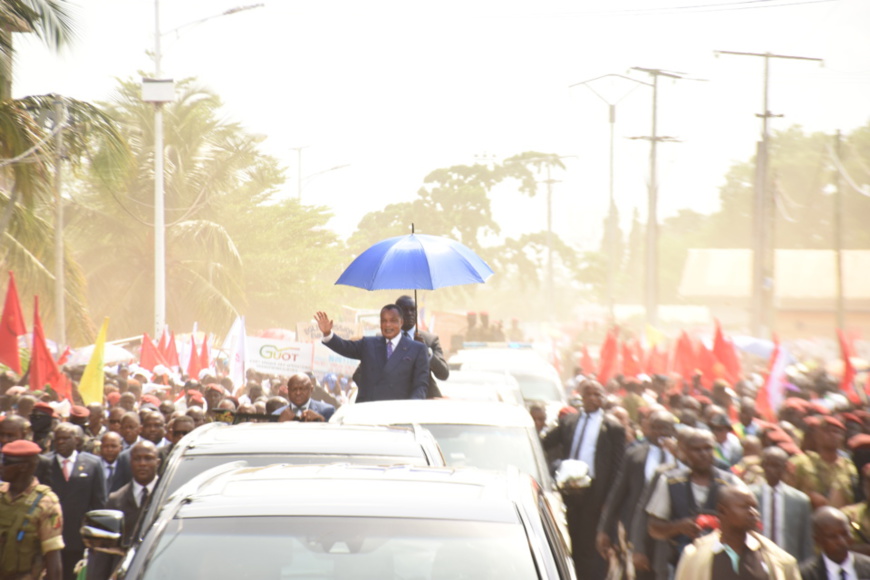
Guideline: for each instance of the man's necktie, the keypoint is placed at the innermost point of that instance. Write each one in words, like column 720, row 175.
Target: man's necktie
column 111, row 470
column 66, row 468
column 144, row 497
column 843, row 575
column 389, row 349
column 773, row 515
column 576, row 454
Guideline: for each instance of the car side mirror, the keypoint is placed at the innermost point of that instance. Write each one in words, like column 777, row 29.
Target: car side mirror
column 102, row 531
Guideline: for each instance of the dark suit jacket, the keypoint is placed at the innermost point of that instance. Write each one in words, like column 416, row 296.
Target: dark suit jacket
column 100, row 564
column 622, row 499
column 85, row 491
column 814, row 568
column 320, row 407
column 123, row 472
column 404, row 376
column 797, row 527
column 608, row 452
column 437, row 363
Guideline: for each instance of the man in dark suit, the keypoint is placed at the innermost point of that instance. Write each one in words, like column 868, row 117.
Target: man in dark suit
column 437, row 362
column 833, row 536
column 80, row 484
column 785, row 512
column 638, row 468
column 110, row 449
column 130, row 500
column 599, row 441
column 391, row 366
column 301, row 406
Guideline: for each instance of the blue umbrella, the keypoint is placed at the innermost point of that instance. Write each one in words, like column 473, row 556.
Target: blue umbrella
column 415, row 261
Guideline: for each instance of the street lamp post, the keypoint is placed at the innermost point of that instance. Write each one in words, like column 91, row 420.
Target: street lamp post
column 160, row 91
column 610, row 239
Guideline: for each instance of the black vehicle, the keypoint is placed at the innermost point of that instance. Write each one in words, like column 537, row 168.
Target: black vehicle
column 259, row 444
column 350, row 522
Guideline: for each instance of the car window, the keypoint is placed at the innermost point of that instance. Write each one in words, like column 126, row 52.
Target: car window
column 535, row 388
column 486, row 447
column 340, row 548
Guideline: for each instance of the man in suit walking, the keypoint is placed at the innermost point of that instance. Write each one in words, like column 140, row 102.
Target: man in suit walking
column 301, row 406
column 785, row 511
column 638, row 468
column 130, row 499
column 110, row 449
column 836, row 562
column 599, row 441
column 391, row 366
column 437, row 363
column 80, row 484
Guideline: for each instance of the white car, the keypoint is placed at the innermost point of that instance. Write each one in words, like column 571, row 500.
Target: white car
column 493, row 436
column 482, row 386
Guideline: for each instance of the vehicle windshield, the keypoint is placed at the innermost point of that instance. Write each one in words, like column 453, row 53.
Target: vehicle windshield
column 486, row 447
column 192, row 465
column 536, row 388
column 339, row 548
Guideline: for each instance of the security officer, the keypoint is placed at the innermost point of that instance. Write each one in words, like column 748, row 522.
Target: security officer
column 31, row 523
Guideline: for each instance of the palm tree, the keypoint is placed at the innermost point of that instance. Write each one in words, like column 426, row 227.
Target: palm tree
column 207, row 161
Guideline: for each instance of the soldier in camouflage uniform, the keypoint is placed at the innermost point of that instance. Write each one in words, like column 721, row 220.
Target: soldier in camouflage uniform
column 859, row 518
column 825, row 475
column 31, row 524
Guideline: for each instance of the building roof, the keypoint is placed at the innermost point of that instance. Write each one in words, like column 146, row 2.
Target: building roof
column 801, row 277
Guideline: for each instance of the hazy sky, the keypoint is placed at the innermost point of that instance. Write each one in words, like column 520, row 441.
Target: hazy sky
column 398, row 88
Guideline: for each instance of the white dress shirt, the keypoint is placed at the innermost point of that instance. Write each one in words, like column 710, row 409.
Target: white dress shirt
column 137, row 489
column 657, row 456
column 589, row 444
column 834, row 569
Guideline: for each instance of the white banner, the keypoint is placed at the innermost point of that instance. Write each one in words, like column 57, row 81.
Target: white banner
column 327, row 361
column 277, row 357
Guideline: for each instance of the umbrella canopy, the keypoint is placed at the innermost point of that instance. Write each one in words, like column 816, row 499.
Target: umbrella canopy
column 415, row 262
column 111, row 354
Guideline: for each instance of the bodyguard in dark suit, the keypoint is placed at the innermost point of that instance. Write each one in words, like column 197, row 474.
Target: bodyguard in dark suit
column 80, row 484
column 129, row 500
column 301, row 406
column 638, row 468
column 832, row 535
column 391, row 366
column 599, row 440
column 437, row 362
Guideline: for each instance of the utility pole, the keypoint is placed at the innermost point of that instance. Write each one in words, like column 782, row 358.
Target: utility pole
column 763, row 242
column 59, row 277
column 838, row 237
column 651, row 294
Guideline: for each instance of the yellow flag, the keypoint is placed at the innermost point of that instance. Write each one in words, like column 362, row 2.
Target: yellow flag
column 654, row 336
column 91, row 385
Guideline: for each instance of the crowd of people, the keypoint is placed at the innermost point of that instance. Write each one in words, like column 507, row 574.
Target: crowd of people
column 691, row 482
column 685, row 480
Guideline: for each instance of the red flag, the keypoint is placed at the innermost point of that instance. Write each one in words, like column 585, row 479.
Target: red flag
column 164, row 343
column 770, row 396
column 586, row 362
column 149, row 357
column 608, row 358
column 848, row 378
column 64, row 356
column 630, row 364
column 43, row 370
column 726, row 354
column 172, row 353
column 657, row 362
column 204, row 361
column 193, row 366
column 685, row 359
column 11, row 327
column 707, row 365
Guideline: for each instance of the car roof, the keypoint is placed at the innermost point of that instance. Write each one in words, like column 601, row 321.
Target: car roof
column 297, row 438
column 481, row 377
column 356, row 490
column 434, row 412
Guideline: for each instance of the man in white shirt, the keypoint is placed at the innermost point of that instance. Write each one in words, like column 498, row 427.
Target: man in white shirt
column 836, row 562
column 785, row 511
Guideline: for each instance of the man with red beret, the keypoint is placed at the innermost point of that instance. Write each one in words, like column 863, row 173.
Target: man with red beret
column 825, row 475
column 31, row 523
